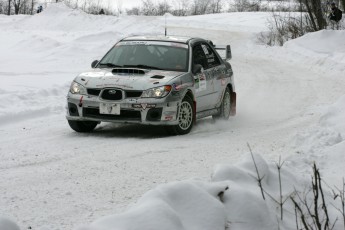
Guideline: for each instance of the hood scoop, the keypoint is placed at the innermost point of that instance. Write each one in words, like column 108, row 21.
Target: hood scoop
column 128, row 71
column 158, row 77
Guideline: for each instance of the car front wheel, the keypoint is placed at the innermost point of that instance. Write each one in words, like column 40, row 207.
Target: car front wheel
column 185, row 118
column 82, row 126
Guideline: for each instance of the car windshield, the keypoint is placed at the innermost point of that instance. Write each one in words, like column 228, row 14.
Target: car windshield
column 148, row 55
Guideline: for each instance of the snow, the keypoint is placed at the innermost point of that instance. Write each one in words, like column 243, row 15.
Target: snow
column 291, row 105
column 6, row 224
column 178, row 205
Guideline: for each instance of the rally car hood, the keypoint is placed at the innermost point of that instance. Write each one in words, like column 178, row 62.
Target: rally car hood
column 128, row 79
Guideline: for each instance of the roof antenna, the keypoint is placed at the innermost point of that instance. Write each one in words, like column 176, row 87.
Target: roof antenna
column 165, row 24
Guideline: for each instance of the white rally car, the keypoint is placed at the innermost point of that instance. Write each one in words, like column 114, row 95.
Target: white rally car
column 154, row 80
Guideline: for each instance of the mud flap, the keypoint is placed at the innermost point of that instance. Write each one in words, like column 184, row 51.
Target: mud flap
column 194, row 115
column 233, row 104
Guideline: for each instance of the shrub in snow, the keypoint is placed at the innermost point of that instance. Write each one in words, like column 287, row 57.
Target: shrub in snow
column 245, row 207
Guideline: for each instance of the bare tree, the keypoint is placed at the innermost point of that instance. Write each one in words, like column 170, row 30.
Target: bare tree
column 241, row 5
column 216, row 6
column 17, row 4
column 247, row 5
column 133, row 11
column 119, row 6
column 204, row 5
column 33, row 2
column 181, row 7
column 163, row 7
column 2, row 7
column 316, row 16
column 200, row 6
column 148, row 8
column 195, row 7
column 343, row 4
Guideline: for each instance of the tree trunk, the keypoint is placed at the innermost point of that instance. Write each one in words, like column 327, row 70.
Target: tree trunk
column 9, row 7
column 16, row 8
column 311, row 16
column 321, row 22
column 343, row 4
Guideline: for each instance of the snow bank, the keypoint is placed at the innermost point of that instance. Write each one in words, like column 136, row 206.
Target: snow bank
column 233, row 200
column 324, row 143
column 6, row 224
column 325, row 48
column 187, row 205
column 58, row 17
column 244, row 21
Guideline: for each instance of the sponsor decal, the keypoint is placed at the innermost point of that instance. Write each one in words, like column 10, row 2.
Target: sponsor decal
column 204, row 48
column 172, row 44
column 168, row 118
column 177, row 87
column 223, row 81
column 136, row 106
column 144, row 106
column 81, row 101
column 200, row 83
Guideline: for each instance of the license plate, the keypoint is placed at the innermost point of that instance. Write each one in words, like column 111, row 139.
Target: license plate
column 107, row 108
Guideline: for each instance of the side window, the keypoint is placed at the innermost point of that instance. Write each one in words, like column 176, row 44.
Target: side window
column 199, row 56
column 212, row 59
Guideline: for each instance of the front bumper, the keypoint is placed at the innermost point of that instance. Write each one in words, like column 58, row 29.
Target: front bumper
column 149, row 111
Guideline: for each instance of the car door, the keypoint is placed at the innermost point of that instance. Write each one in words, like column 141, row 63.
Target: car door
column 217, row 70
column 204, row 80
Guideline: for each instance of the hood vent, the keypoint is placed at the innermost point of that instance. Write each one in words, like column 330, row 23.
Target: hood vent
column 128, row 71
column 158, row 77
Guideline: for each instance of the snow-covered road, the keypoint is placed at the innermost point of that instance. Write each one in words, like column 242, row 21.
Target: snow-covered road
column 54, row 178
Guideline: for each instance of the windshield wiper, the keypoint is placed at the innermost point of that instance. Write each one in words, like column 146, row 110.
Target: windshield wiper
column 109, row 64
column 143, row 66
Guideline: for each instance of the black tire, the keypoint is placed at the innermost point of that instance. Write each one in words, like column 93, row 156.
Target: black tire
column 185, row 116
column 225, row 107
column 82, row 126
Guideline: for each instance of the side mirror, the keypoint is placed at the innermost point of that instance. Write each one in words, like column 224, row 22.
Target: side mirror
column 196, row 68
column 228, row 54
column 94, row 63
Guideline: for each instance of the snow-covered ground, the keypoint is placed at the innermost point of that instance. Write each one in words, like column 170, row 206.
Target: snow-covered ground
column 291, row 104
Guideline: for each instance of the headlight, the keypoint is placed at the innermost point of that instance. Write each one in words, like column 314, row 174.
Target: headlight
column 157, row 92
column 77, row 88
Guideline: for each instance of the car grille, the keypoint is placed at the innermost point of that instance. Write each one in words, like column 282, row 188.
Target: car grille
column 129, row 94
column 94, row 92
column 124, row 115
column 133, row 93
column 112, row 94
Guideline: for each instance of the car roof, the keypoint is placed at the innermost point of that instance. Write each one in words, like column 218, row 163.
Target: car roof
column 179, row 39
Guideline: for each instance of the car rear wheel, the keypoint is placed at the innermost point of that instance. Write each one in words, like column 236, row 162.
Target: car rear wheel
column 185, row 118
column 82, row 126
column 225, row 107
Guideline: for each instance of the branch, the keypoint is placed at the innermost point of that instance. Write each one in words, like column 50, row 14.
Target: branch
column 259, row 179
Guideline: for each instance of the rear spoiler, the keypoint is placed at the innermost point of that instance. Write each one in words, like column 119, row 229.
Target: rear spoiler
column 224, row 51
